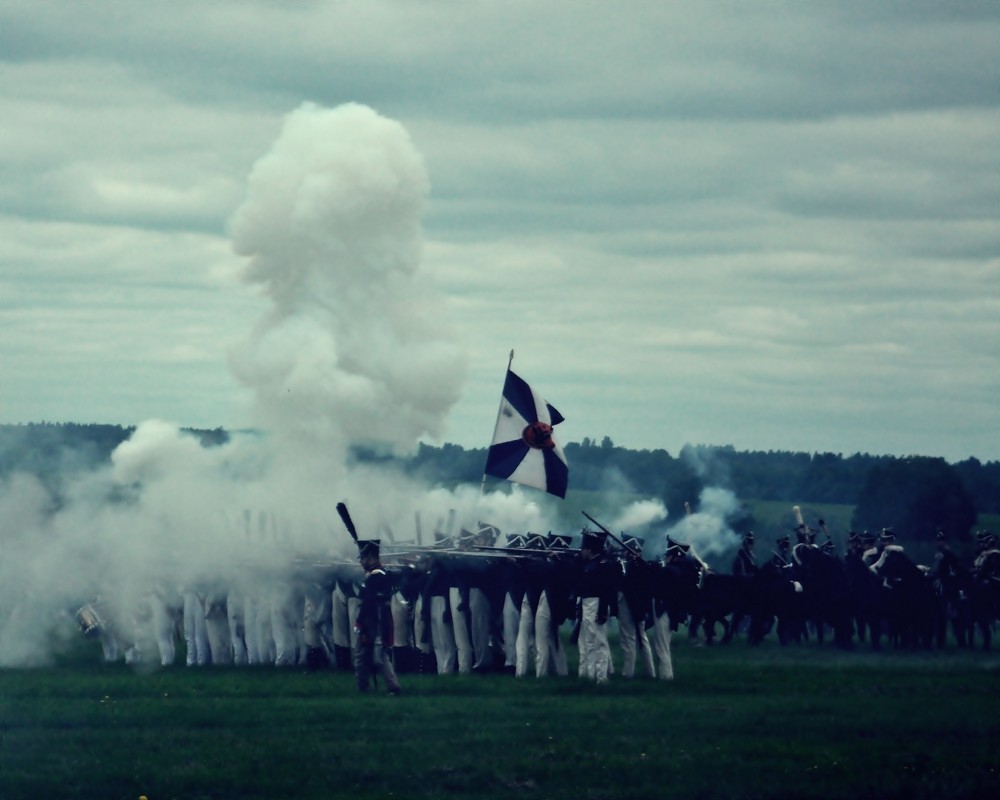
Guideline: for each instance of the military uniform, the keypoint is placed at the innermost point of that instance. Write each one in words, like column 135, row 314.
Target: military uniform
column 635, row 610
column 745, row 562
column 594, row 593
column 374, row 626
column 782, row 558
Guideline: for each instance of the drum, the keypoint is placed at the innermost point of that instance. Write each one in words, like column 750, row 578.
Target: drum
column 89, row 620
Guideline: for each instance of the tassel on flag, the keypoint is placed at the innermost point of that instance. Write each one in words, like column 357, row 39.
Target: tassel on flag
column 523, row 449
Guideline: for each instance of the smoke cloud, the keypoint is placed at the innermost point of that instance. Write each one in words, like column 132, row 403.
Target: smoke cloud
column 352, row 352
column 706, row 529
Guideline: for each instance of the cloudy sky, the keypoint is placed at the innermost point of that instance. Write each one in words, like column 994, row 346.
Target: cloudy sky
column 773, row 225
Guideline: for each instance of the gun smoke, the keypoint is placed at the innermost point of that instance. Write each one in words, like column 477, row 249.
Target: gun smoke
column 352, row 352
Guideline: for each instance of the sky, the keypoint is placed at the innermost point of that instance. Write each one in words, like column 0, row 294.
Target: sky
column 771, row 225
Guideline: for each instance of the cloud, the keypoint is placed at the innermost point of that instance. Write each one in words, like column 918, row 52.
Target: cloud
column 691, row 223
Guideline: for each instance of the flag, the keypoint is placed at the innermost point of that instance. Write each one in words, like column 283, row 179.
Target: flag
column 523, row 450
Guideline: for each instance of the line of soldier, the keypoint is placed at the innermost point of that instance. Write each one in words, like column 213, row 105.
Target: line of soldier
column 462, row 606
column 466, row 605
column 874, row 569
column 870, row 548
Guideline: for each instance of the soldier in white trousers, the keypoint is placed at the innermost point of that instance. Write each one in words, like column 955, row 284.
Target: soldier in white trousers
column 195, row 633
column 217, row 629
column 635, row 607
column 661, row 645
column 524, row 646
column 460, row 626
column 166, row 608
column 550, row 656
column 594, row 592
column 235, row 611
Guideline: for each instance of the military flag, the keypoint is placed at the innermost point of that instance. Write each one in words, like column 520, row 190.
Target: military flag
column 523, row 449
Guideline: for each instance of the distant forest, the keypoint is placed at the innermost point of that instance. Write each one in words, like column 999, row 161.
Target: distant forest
column 934, row 492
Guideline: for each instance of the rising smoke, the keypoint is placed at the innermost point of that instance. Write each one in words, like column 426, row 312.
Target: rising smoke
column 353, row 351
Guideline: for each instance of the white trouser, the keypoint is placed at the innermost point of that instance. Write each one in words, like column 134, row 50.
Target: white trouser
column 511, row 620
column 285, row 619
column 265, row 636
column 402, row 626
column 479, row 615
column 442, row 637
column 195, row 634
column 595, row 653
column 235, row 616
column 661, row 646
column 353, row 607
column 460, row 622
column 525, row 638
column 217, row 630
column 341, row 622
column 251, row 632
column 632, row 631
column 549, row 653
column 163, row 629
column 421, row 635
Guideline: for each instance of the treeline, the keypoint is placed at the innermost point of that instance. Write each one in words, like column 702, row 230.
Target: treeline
column 759, row 475
column 918, row 486
column 53, row 451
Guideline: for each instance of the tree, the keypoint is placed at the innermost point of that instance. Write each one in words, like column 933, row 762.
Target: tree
column 915, row 497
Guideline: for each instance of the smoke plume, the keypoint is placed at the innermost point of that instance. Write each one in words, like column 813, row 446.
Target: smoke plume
column 352, row 352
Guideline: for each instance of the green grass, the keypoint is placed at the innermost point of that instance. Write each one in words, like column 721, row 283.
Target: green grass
column 738, row 722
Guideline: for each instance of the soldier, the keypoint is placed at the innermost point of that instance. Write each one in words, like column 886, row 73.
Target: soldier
column 886, row 544
column 555, row 604
column 374, row 623
column 594, row 594
column 482, row 591
column 988, row 556
column 681, row 562
column 513, row 580
column 869, row 552
column 635, row 606
column 436, row 609
column 744, row 566
column 344, row 612
column 167, row 609
column 195, row 633
column 745, row 562
column 459, row 587
column 782, row 558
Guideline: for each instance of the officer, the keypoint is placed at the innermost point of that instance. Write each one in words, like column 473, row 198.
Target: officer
column 374, row 626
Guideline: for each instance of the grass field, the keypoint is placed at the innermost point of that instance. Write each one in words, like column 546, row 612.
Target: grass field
column 738, row 722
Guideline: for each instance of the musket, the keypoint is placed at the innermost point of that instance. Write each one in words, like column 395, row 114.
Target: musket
column 348, row 522
column 798, row 516
column 822, row 525
column 609, row 533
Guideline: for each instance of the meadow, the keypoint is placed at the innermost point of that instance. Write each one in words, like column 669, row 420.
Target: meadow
column 737, row 722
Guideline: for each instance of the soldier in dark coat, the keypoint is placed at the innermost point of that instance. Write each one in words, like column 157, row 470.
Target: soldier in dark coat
column 782, row 557
column 745, row 562
column 595, row 592
column 635, row 608
column 374, row 624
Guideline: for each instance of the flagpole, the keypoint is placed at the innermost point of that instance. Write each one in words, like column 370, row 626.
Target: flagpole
column 510, row 360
